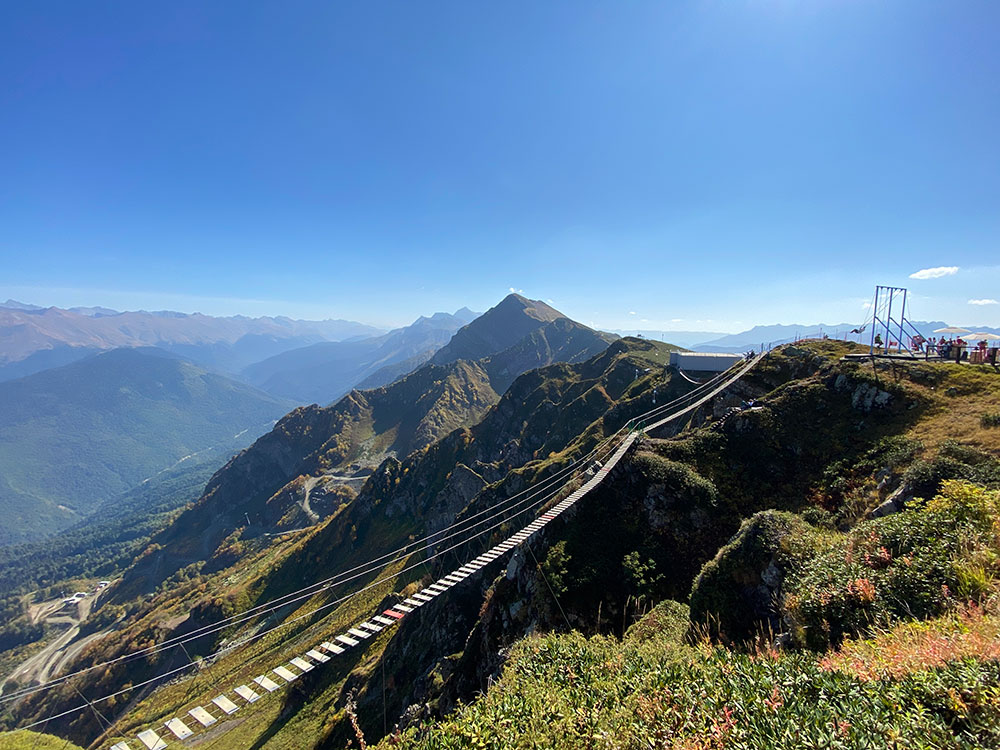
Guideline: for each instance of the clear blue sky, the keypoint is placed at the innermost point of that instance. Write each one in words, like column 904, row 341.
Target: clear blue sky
column 706, row 165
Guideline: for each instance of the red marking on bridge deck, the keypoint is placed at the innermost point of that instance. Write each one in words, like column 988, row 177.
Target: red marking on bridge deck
column 391, row 613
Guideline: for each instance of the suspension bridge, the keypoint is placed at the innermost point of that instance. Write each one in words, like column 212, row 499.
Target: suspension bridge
column 566, row 486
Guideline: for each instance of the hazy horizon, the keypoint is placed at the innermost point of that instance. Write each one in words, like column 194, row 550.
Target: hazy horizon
column 690, row 334
column 686, row 165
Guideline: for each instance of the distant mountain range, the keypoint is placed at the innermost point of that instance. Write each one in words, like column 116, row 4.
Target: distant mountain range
column 323, row 372
column 33, row 338
column 75, row 436
column 683, row 339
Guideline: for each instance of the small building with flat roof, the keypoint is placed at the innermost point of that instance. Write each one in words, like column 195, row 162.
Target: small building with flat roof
column 703, row 361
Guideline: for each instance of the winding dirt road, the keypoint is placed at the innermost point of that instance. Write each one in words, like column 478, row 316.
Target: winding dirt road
column 54, row 658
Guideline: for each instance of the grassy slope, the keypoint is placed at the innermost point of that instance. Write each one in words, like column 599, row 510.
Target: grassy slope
column 899, row 683
column 930, row 684
column 283, row 722
column 567, row 691
column 28, row 740
column 77, row 435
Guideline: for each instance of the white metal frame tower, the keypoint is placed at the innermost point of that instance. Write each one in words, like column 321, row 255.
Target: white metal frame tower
column 889, row 321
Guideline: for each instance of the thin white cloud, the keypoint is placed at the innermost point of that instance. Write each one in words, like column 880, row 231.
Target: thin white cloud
column 983, row 302
column 516, row 291
column 934, row 273
column 631, row 312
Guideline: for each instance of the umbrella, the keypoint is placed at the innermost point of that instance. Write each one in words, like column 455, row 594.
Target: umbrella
column 984, row 336
column 953, row 330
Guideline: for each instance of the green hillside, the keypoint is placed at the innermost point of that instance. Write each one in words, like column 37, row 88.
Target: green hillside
column 75, row 436
column 729, row 585
column 106, row 542
column 28, row 740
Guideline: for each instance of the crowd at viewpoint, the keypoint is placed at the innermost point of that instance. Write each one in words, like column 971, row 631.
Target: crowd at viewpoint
column 958, row 349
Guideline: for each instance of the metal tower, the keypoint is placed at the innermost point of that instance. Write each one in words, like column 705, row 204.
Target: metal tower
column 891, row 331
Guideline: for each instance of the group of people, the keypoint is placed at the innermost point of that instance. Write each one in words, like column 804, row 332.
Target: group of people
column 958, row 349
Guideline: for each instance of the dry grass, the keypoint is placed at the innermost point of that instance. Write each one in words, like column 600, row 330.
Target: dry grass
column 258, row 657
column 954, row 397
column 956, row 405
column 968, row 633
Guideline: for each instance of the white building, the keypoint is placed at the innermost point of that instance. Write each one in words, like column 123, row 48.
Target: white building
column 703, row 361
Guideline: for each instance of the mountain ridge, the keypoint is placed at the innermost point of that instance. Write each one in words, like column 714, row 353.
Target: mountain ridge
column 74, row 435
column 783, row 333
column 31, row 336
column 325, row 371
column 365, row 428
column 698, row 510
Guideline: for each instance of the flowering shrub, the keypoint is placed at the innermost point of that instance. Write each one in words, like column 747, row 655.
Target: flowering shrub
column 569, row 692
column 914, row 564
column 967, row 633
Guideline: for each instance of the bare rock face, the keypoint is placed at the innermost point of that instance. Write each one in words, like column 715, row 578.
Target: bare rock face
column 462, row 485
column 894, row 503
column 864, row 396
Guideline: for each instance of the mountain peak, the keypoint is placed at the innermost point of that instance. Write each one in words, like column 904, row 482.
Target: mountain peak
column 466, row 315
column 13, row 304
column 534, row 308
column 500, row 327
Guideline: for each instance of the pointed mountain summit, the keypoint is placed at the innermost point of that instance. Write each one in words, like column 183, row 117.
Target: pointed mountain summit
column 498, row 328
column 466, row 314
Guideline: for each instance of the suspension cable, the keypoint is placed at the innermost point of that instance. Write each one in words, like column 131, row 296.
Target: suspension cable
column 364, row 569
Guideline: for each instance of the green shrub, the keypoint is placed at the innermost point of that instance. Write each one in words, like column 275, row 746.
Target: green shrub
column 676, row 479
column 905, row 566
column 568, row 692
column 990, row 420
column 734, row 595
column 667, row 622
column 953, row 461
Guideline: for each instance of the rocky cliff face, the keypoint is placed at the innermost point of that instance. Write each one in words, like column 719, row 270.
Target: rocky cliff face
column 646, row 533
column 365, row 429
